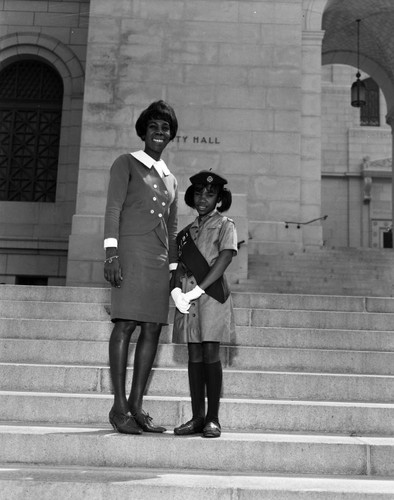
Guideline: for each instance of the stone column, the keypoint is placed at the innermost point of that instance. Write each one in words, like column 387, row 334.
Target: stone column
column 101, row 142
column 311, row 137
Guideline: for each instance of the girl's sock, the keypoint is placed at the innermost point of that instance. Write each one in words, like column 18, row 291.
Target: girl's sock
column 213, row 379
column 197, row 389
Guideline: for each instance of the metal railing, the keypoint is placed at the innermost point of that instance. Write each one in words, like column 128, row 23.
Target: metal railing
column 299, row 224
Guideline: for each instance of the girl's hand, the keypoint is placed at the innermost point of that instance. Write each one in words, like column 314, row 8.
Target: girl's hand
column 113, row 271
column 195, row 293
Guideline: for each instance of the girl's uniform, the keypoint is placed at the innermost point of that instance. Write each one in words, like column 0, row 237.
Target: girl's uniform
column 208, row 320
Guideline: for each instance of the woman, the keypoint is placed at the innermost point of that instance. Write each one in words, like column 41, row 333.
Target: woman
column 140, row 242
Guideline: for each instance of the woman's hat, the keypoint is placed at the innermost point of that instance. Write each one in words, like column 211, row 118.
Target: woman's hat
column 207, row 177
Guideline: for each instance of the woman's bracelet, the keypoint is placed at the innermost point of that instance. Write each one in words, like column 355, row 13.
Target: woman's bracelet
column 110, row 259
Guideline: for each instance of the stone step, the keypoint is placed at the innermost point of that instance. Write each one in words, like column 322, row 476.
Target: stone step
column 351, row 254
column 98, row 311
column 322, row 369
column 323, row 338
column 245, row 316
column 311, row 282
column 320, row 274
column 45, row 483
column 55, row 294
column 174, row 381
column 32, row 296
column 91, row 446
column 314, row 282
column 60, row 329
column 317, row 262
column 304, row 285
column 249, row 415
column 36, row 298
column 341, row 272
column 311, row 302
column 53, row 310
column 323, row 277
column 176, row 355
column 281, row 286
column 314, row 338
column 315, row 319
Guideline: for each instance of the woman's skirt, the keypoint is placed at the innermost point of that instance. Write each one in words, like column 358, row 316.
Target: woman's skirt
column 144, row 292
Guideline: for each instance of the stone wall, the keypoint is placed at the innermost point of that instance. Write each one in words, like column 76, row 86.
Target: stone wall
column 243, row 84
column 34, row 236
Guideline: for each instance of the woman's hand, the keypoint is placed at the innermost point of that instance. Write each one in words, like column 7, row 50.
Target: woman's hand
column 113, row 271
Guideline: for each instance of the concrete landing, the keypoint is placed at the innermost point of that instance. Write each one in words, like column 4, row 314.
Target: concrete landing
column 71, row 483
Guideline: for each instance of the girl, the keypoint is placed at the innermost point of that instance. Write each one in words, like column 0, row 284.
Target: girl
column 140, row 241
column 204, row 315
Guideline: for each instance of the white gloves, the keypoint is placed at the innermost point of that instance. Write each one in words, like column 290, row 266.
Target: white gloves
column 181, row 302
column 194, row 294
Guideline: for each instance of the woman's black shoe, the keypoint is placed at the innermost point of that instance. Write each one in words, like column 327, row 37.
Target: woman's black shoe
column 144, row 420
column 193, row 426
column 211, row 430
column 123, row 422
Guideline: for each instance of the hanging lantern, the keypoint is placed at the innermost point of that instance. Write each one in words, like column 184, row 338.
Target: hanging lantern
column 358, row 90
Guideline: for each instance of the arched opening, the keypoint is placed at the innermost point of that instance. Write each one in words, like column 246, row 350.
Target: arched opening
column 31, row 97
column 370, row 113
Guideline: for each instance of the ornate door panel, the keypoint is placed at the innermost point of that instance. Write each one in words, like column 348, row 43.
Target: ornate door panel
column 31, row 94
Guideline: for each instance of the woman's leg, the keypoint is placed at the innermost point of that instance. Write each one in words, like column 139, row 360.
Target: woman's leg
column 144, row 357
column 120, row 416
column 213, row 379
column 118, row 354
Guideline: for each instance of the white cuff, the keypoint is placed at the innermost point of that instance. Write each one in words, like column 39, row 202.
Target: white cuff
column 110, row 242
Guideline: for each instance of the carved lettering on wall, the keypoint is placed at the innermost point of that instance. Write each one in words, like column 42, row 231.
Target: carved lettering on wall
column 196, row 139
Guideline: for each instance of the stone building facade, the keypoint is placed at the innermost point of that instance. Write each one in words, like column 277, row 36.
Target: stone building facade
column 245, row 79
column 356, row 166
column 33, row 235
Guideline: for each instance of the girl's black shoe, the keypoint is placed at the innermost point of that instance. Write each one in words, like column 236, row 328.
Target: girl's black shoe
column 211, row 430
column 123, row 423
column 193, row 426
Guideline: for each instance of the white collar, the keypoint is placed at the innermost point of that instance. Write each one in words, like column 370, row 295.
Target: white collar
column 149, row 162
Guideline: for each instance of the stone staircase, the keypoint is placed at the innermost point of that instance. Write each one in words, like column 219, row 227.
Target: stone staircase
column 341, row 271
column 307, row 409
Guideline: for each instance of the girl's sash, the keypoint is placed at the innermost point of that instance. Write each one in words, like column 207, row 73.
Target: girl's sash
column 195, row 262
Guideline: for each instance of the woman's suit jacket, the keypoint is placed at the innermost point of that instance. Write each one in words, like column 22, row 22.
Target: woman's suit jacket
column 139, row 200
